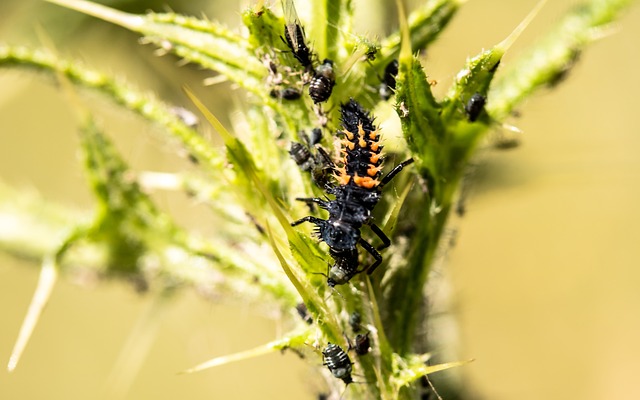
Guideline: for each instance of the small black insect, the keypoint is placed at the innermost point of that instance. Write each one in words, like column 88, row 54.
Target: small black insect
column 357, row 192
column 294, row 36
column 312, row 158
column 338, row 362
column 274, row 77
column 288, row 93
column 315, row 137
column 363, row 343
column 301, row 308
column 301, row 152
column 301, row 155
column 372, row 52
column 355, row 319
column 322, row 83
column 388, row 85
column 474, row 106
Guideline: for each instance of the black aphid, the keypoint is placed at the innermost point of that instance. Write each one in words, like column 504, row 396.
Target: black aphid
column 356, row 192
column 301, row 155
column 294, row 36
column 288, row 93
column 312, row 158
column 303, row 312
column 388, row 85
column 315, row 137
column 355, row 319
column 322, row 83
column 363, row 343
column 338, row 362
column 474, row 106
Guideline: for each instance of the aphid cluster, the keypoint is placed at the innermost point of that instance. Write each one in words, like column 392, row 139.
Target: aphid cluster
column 288, row 93
column 281, row 89
column 358, row 189
column 362, row 342
column 322, row 77
column 311, row 158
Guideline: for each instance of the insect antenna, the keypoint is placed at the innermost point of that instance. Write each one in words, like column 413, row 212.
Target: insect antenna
column 432, row 387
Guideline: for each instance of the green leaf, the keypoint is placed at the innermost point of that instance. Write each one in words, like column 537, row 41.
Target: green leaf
column 425, row 25
column 420, row 116
column 551, row 58
column 294, row 340
column 413, row 368
column 202, row 42
column 144, row 104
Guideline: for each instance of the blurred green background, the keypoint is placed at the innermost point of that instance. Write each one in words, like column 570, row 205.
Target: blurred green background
column 543, row 279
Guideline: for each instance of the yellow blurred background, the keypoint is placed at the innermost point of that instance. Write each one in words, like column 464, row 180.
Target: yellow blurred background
column 544, row 276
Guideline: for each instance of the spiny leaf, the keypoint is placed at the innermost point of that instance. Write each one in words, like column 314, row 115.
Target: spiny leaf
column 46, row 283
column 416, row 368
column 31, row 228
column 391, row 219
column 425, row 24
column 550, row 59
column 129, row 222
column 420, row 115
column 241, row 159
column 478, row 74
column 474, row 80
column 295, row 340
column 201, row 42
column 265, row 28
column 311, row 298
column 144, row 104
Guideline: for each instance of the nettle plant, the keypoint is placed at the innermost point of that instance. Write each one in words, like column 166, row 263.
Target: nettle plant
column 309, row 83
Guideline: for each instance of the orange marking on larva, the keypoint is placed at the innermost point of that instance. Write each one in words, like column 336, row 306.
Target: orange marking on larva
column 373, row 135
column 348, row 134
column 342, row 177
column 348, row 144
column 344, row 180
column 373, row 170
column 374, row 158
column 365, row 181
column 374, row 146
column 361, row 133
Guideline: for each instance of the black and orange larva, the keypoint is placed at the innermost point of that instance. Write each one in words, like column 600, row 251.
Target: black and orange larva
column 357, row 191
